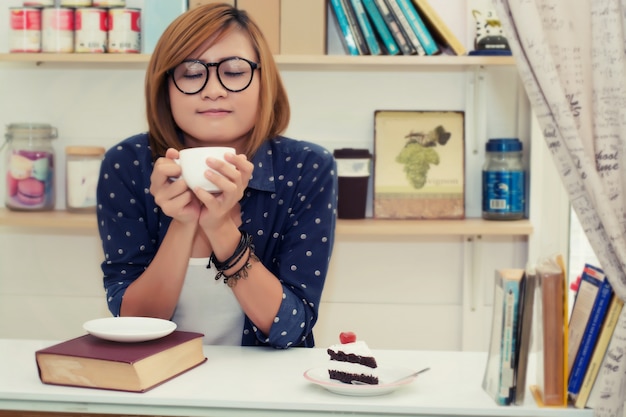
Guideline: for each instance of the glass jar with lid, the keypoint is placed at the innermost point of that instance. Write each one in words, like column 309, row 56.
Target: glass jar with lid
column 30, row 167
column 82, row 169
column 504, row 180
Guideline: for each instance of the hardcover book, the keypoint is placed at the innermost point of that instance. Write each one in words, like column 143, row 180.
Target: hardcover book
column 499, row 378
column 355, row 28
column 405, row 45
column 551, row 384
column 366, row 27
column 419, row 165
column 524, row 333
column 608, row 384
column 438, row 28
column 91, row 362
column 405, row 26
column 419, row 28
column 590, row 337
column 588, row 287
column 341, row 19
column 606, row 333
column 389, row 43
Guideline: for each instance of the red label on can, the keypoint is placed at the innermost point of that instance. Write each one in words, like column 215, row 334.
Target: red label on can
column 25, row 19
column 60, row 19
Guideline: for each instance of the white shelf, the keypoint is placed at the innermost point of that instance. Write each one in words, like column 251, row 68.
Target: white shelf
column 345, row 228
column 284, row 61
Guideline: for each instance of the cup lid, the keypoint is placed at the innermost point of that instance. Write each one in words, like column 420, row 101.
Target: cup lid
column 351, row 153
column 503, row 145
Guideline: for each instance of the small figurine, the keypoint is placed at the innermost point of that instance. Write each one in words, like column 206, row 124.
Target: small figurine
column 489, row 34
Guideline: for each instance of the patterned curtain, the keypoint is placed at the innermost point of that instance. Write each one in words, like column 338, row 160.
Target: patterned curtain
column 571, row 58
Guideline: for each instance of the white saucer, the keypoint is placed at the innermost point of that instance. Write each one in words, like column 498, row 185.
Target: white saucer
column 320, row 377
column 129, row 329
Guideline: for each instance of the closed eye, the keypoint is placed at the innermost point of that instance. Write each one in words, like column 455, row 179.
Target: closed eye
column 233, row 74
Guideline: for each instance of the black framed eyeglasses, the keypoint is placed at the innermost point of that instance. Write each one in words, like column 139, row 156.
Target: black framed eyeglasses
column 234, row 74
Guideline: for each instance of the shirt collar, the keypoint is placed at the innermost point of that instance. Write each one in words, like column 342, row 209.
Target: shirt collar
column 263, row 174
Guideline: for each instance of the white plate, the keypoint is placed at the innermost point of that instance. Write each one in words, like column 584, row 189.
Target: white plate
column 129, row 329
column 320, row 377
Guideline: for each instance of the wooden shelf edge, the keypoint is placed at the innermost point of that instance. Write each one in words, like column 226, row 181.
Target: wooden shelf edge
column 47, row 219
column 380, row 227
column 282, row 60
column 345, row 228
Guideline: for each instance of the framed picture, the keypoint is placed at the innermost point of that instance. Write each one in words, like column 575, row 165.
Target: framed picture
column 419, row 165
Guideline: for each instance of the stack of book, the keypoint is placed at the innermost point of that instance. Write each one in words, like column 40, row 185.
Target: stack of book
column 578, row 360
column 393, row 27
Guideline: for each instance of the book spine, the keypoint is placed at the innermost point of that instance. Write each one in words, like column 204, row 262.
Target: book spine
column 342, row 21
column 581, row 311
column 366, row 27
column 394, row 28
column 405, row 26
column 438, row 26
column 491, row 377
column 526, row 305
column 419, row 28
column 353, row 23
column 381, row 27
column 606, row 333
column 554, row 383
column 509, row 339
column 590, row 338
column 606, row 392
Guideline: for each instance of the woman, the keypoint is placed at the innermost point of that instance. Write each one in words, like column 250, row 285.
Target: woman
column 246, row 266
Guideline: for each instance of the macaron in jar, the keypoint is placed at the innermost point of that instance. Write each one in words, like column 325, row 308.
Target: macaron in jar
column 30, row 167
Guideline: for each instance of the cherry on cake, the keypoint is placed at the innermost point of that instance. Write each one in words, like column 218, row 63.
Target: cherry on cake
column 352, row 360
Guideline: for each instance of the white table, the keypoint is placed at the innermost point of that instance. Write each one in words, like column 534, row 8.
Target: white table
column 239, row 381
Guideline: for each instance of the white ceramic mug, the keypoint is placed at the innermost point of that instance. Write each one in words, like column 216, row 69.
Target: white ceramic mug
column 193, row 164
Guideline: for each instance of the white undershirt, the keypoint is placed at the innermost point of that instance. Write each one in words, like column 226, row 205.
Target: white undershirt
column 208, row 306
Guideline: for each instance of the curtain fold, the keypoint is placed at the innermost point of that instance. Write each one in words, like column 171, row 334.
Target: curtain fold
column 571, row 58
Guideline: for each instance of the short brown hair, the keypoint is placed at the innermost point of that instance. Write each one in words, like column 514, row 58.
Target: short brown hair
column 184, row 36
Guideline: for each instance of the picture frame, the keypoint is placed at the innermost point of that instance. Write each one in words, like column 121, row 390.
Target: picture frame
column 419, row 164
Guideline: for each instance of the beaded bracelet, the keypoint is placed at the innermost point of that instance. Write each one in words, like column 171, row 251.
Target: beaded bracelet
column 231, row 280
column 244, row 242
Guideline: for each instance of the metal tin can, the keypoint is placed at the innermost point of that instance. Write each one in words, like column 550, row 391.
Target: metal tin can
column 40, row 3
column 504, row 180
column 109, row 3
column 57, row 29
column 25, row 24
column 30, row 167
column 90, row 30
column 82, row 169
column 76, row 3
column 124, row 31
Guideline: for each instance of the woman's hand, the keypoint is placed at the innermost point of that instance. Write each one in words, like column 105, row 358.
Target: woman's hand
column 171, row 194
column 217, row 209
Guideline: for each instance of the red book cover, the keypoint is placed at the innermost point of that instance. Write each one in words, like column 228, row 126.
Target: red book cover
column 85, row 361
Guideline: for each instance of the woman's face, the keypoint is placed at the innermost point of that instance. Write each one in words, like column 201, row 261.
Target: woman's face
column 215, row 116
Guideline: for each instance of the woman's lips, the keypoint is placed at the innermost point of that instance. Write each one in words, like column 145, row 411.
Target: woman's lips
column 214, row 112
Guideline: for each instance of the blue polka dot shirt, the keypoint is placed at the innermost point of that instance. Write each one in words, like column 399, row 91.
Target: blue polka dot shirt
column 289, row 208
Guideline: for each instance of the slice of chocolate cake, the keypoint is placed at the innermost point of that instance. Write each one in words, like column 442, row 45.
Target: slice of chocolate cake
column 352, row 361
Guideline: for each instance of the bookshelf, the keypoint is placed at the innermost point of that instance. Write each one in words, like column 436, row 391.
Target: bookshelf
column 333, row 97
column 346, row 228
